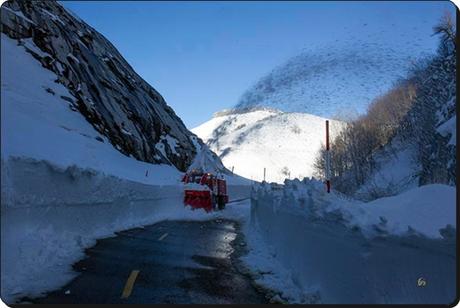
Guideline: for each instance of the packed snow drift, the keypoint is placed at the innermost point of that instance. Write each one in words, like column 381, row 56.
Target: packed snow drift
column 324, row 248
column 285, row 144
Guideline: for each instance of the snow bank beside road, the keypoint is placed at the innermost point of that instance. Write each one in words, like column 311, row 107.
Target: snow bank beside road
column 425, row 210
column 49, row 215
column 324, row 249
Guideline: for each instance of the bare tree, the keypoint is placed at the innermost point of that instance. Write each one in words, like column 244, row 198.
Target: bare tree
column 446, row 28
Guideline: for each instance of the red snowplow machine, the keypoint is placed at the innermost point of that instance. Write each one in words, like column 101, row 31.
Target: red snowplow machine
column 205, row 190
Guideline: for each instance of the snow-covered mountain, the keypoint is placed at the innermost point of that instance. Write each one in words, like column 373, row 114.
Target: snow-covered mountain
column 283, row 143
column 335, row 79
column 287, row 108
column 101, row 85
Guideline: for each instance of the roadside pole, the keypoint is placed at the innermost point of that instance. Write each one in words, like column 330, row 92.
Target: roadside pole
column 328, row 160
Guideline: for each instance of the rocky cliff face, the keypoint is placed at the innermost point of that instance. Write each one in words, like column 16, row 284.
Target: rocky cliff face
column 105, row 88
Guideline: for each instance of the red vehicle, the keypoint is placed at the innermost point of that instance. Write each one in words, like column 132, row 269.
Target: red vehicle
column 205, row 190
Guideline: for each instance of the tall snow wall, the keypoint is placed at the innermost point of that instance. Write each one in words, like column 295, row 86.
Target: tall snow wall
column 49, row 215
column 338, row 262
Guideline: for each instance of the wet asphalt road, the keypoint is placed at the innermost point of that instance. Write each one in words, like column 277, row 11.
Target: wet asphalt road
column 178, row 262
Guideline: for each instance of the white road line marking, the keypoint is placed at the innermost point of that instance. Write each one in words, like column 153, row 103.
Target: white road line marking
column 163, row 237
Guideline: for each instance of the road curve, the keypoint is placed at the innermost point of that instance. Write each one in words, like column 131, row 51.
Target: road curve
column 171, row 262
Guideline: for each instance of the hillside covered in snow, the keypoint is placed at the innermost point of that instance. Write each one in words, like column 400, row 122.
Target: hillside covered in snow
column 285, row 144
column 101, row 85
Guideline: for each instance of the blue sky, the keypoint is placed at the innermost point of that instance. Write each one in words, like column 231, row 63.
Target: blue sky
column 201, row 56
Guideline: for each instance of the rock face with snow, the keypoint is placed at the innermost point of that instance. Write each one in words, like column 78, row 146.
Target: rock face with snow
column 283, row 143
column 105, row 89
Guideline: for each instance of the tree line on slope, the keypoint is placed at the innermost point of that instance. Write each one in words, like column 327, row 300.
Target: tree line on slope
column 412, row 111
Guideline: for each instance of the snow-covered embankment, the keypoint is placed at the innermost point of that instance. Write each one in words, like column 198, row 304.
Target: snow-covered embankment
column 49, row 215
column 318, row 247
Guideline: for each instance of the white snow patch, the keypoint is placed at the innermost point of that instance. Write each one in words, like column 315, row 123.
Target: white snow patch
column 195, row 142
column 124, row 131
column 71, row 56
column 53, row 17
column 29, row 44
column 449, row 128
column 195, row 186
column 172, row 143
column 161, row 147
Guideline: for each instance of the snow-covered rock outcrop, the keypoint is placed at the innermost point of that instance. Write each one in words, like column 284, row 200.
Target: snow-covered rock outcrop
column 102, row 86
column 286, row 144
